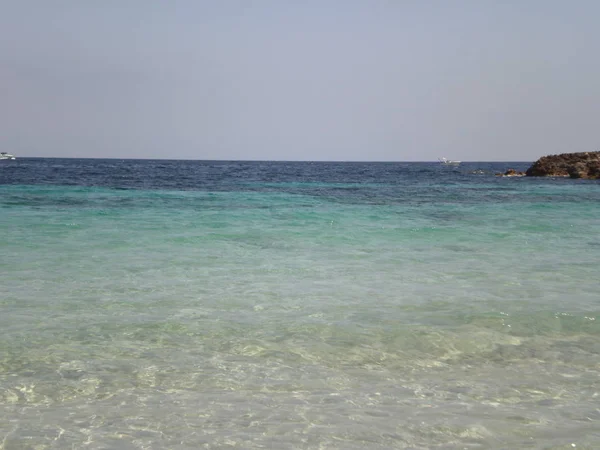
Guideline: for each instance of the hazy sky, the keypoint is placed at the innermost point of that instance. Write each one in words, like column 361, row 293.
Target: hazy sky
column 386, row 80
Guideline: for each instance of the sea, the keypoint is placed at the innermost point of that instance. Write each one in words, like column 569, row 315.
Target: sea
column 156, row 304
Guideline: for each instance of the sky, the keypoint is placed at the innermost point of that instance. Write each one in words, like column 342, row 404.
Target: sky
column 346, row 80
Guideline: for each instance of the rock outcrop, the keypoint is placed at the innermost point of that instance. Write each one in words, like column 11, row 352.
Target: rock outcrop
column 574, row 165
column 511, row 173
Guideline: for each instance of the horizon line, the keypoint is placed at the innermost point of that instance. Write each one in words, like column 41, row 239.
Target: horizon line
column 266, row 160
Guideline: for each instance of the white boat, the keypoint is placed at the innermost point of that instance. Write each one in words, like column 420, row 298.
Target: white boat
column 4, row 155
column 448, row 162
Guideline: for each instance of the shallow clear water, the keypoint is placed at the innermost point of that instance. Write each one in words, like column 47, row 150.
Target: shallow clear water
column 189, row 304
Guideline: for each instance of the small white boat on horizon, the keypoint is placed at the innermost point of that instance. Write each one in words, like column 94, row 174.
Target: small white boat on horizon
column 5, row 155
column 448, row 162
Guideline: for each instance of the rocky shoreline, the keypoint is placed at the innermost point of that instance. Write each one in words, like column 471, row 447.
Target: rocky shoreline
column 574, row 165
column 584, row 165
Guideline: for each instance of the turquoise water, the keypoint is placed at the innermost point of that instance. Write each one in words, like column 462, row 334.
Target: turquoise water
column 153, row 304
